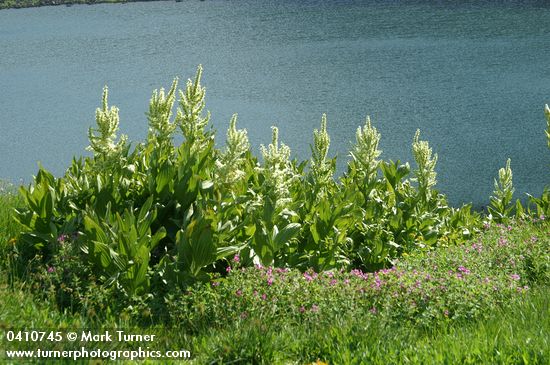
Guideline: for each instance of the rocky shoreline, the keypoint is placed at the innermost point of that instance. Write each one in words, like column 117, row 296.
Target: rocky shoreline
column 19, row 4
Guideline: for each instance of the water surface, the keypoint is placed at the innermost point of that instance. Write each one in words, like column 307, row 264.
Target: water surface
column 474, row 78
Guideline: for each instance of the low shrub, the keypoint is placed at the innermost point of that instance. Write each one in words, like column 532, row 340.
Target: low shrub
column 458, row 283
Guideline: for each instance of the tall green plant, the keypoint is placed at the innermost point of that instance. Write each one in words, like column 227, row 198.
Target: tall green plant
column 326, row 212
column 501, row 207
column 547, row 115
column 120, row 246
column 271, row 225
column 365, row 153
column 103, row 139
column 542, row 204
column 425, row 174
column 176, row 212
column 322, row 169
column 161, row 128
column 230, row 164
column 190, row 118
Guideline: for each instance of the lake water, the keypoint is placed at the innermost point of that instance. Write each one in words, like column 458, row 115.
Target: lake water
column 474, row 78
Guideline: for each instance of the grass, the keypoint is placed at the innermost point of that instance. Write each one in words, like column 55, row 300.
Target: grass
column 516, row 332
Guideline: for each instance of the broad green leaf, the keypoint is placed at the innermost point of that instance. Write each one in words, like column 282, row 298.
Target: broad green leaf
column 223, row 252
column 286, row 234
column 164, row 177
column 314, row 233
column 94, row 229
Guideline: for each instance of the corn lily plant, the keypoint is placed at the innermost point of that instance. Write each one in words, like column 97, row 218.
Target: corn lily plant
column 163, row 215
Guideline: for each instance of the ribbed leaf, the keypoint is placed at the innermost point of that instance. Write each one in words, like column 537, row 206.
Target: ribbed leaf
column 286, row 234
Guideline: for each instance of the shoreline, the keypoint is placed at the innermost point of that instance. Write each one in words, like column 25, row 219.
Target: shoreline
column 11, row 4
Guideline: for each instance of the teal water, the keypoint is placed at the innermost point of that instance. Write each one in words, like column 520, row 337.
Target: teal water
column 474, row 78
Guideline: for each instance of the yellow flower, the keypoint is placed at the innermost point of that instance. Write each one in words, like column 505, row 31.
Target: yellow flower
column 12, row 241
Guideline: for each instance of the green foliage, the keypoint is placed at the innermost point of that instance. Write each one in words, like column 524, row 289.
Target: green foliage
column 231, row 163
column 365, row 152
column 189, row 116
column 120, row 246
column 197, row 246
column 269, row 209
column 457, row 284
column 159, row 115
column 542, row 204
column 511, row 332
column 322, row 170
column 43, row 218
column 515, row 334
column 501, row 207
column 107, row 120
column 9, row 228
column 547, row 115
column 155, row 219
column 425, row 174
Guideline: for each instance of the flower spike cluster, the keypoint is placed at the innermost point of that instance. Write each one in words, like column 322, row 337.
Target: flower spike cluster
column 229, row 164
column 102, row 139
column 425, row 174
column 189, row 116
column 321, row 169
column 504, row 188
column 547, row 114
column 365, row 152
column 160, row 112
column 277, row 169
